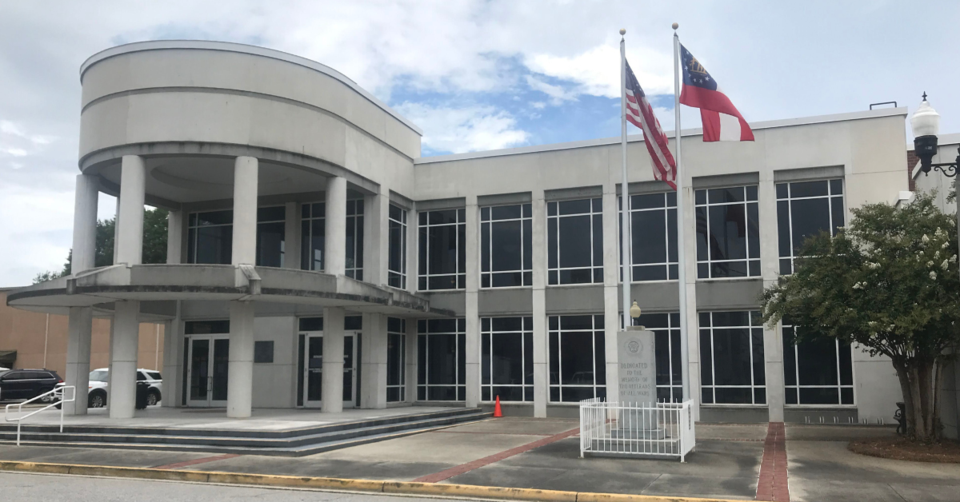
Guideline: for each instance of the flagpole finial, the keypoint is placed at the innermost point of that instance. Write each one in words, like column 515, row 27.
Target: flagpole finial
column 675, row 26
column 623, row 32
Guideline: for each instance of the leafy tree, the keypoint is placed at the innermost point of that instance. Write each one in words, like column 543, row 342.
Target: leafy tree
column 154, row 244
column 890, row 283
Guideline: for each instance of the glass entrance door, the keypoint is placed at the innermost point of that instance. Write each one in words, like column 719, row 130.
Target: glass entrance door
column 207, row 371
column 312, row 356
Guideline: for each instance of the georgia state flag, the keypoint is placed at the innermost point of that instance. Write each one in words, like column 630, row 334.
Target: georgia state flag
column 721, row 120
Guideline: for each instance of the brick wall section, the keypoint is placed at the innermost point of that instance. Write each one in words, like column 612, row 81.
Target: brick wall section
column 912, row 161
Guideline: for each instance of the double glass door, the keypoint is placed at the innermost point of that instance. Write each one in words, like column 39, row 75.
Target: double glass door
column 207, row 370
column 312, row 355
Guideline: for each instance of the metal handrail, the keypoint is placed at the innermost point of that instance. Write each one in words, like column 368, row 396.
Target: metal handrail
column 53, row 393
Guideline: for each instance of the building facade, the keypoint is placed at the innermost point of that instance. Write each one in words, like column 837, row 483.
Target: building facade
column 315, row 259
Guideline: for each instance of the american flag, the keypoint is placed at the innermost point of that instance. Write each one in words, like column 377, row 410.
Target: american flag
column 640, row 114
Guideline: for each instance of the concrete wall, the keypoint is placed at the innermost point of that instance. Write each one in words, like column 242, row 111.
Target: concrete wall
column 275, row 384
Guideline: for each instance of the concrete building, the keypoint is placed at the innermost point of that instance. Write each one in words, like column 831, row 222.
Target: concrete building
column 305, row 223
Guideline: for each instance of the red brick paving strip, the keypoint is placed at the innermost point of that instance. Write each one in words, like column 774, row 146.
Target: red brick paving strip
column 773, row 468
column 476, row 464
column 180, row 465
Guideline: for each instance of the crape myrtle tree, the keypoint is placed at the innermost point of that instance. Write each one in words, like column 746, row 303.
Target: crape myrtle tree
column 154, row 243
column 888, row 282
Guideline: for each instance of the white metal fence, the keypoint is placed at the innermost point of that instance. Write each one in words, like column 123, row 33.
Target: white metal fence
column 657, row 430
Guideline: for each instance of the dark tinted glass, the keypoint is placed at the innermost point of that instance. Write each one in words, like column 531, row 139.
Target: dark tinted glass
column 810, row 217
column 275, row 213
column 505, row 212
column 311, row 324
column 808, row 189
column 215, row 218
column 206, row 327
column 270, row 244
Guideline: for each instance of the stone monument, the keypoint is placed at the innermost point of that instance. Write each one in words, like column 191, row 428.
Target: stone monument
column 636, row 357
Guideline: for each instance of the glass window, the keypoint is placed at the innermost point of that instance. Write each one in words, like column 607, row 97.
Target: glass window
column 805, row 209
column 731, row 358
column 354, row 244
column 505, row 246
column 653, row 231
column 577, row 358
column 506, row 364
column 100, row 375
column 575, row 241
column 397, row 261
column 818, row 371
column 312, row 234
column 210, row 237
column 728, row 232
column 206, row 327
column 396, row 359
column 666, row 330
column 441, row 362
column 443, row 251
column 271, row 234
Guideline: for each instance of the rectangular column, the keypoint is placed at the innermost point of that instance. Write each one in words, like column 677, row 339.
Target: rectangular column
column 376, row 241
column 611, row 284
column 332, row 384
column 175, row 237
column 335, row 241
column 472, row 307
column 85, row 224
column 770, row 272
column 245, row 211
column 129, row 243
column 124, row 344
column 240, row 365
column 412, row 359
column 689, row 228
column 541, row 374
column 80, row 326
column 291, row 236
column 373, row 362
column 413, row 246
column 173, row 361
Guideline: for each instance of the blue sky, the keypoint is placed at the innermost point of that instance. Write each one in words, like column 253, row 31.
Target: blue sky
column 473, row 74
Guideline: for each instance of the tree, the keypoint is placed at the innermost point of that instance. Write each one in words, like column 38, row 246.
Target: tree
column 154, row 244
column 890, row 283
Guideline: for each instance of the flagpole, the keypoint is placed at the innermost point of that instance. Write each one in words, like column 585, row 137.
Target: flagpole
column 625, row 193
column 682, row 276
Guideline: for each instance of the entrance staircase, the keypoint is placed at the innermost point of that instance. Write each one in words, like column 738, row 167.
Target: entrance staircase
column 287, row 443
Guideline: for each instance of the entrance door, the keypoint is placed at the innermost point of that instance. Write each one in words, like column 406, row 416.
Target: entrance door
column 207, row 371
column 313, row 369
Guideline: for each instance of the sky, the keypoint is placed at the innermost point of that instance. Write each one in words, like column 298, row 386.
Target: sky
column 474, row 75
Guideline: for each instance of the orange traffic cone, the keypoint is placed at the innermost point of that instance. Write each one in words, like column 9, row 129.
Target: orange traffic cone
column 497, row 413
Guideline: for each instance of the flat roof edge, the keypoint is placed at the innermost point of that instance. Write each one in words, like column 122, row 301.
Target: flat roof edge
column 253, row 50
column 768, row 124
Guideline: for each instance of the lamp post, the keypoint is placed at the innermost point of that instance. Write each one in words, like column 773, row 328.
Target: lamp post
column 925, row 124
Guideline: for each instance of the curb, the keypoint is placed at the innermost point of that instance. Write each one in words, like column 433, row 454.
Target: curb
column 352, row 485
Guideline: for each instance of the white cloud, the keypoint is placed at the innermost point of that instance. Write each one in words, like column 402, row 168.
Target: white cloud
column 597, row 70
column 36, row 229
column 465, row 129
column 557, row 93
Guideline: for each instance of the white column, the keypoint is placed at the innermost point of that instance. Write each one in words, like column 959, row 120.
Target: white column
column 413, row 243
column 80, row 325
column 291, row 236
column 240, row 366
column 770, row 271
column 541, row 373
column 376, row 241
column 412, row 359
column 129, row 241
column 335, row 241
column 373, row 362
column 472, row 304
column 611, row 282
column 116, row 230
column 85, row 224
column 332, row 385
column 245, row 211
column 689, row 227
column 172, row 363
column 175, row 237
column 124, row 345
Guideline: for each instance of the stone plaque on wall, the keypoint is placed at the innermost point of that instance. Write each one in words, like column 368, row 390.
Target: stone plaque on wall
column 636, row 356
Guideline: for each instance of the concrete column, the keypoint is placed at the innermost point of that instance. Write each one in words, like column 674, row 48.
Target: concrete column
column 240, row 366
column 85, row 224
column 175, row 237
column 541, row 373
column 80, row 325
column 412, row 360
column 332, row 386
column 473, row 303
column 335, row 241
column 245, row 212
column 124, row 345
column 116, row 230
column 373, row 362
column 129, row 243
column 689, row 227
column 291, row 236
column 611, row 283
column 376, row 242
column 173, row 361
column 413, row 243
column 770, row 271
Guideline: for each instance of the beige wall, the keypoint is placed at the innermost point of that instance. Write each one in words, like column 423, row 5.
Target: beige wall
column 26, row 332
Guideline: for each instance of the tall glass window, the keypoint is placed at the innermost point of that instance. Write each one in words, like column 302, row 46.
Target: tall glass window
column 397, row 261
column 817, row 372
column 312, row 234
column 210, row 237
column 505, row 246
column 271, row 234
column 805, row 209
column 396, row 359
column 575, row 241
column 731, row 358
column 441, row 360
column 728, row 232
column 443, row 253
column 666, row 330
column 577, row 358
column 653, row 227
column 506, row 364
column 354, row 263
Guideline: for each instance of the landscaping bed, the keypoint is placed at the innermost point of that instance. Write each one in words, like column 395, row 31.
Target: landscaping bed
column 946, row 451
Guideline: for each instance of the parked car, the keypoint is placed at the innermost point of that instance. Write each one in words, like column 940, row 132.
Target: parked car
column 23, row 384
column 100, row 378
